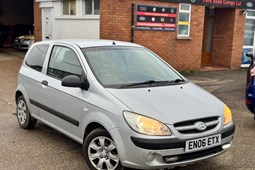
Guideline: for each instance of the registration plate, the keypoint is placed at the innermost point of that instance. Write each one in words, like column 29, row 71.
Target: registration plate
column 203, row 143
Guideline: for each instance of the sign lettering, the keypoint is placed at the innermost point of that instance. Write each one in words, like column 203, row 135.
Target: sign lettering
column 242, row 4
column 155, row 18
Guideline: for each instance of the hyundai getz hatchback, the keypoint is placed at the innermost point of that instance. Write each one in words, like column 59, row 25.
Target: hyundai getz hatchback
column 123, row 103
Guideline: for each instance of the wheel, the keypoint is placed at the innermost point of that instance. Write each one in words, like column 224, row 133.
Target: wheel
column 24, row 118
column 100, row 151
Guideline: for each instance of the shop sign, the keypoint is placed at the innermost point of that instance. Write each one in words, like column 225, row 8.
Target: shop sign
column 243, row 4
column 155, row 18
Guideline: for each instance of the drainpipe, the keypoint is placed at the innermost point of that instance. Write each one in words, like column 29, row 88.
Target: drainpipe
column 132, row 22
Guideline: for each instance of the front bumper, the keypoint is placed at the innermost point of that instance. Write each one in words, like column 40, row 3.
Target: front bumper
column 25, row 44
column 153, row 153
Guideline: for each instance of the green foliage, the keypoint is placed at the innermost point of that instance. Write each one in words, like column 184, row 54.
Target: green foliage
column 187, row 72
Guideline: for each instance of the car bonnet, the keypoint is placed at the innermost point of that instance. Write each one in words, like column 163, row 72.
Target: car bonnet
column 170, row 104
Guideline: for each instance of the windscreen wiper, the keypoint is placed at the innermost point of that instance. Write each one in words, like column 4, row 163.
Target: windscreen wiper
column 177, row 81
column 153, row 82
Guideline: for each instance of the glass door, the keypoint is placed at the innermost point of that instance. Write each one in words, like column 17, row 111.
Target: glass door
column 209, row 23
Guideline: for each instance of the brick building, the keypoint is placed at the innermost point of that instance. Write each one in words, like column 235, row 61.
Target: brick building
column 37, row 22
column 203, row 33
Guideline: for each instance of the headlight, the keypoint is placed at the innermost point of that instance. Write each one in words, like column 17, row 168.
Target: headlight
column 146, row 125
column 227, row 115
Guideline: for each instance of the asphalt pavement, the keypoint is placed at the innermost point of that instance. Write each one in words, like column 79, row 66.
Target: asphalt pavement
column 45, row 148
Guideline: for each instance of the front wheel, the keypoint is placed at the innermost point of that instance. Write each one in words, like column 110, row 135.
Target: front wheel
column 100, row 151
column 24, row 117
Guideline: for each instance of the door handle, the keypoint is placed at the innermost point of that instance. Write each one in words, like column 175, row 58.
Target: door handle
column 44, row 82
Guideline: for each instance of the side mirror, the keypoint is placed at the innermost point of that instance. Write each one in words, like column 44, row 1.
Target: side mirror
column 250, row 54
column 75, row 81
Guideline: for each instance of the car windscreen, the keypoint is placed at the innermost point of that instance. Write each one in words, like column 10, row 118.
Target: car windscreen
column 129, row 67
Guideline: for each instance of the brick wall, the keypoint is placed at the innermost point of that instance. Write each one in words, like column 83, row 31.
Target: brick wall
column 115, row 23
column 237, row 48
column 228, row 38
column 223, row 36
column 37, row 22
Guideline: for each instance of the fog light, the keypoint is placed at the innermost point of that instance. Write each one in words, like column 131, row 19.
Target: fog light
column 226, row 146
column 150, row 157
column 169, row 159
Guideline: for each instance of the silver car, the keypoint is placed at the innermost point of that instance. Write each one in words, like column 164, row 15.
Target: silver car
column 123, row 103
column 24, row 42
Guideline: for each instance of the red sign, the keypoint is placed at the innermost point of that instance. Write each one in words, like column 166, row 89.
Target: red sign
column 243, row 4
column 155, row 18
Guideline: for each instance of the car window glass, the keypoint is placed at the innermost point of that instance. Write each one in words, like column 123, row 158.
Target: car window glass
column 149, row 67
column 63, row 62
column 36, row 56
column 114, row 66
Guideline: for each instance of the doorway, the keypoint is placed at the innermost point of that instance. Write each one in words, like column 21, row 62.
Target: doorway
column 47, row 24
column 209, row 24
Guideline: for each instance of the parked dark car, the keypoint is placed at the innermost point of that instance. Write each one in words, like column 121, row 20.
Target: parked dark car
column 8, row 33
column 5, row 32
column 250, row 84
column 22, row 29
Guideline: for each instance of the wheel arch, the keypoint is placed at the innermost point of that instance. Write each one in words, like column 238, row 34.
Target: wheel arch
column 92, row 126
column 17, row 95
column 21, row 91
column 99, row 119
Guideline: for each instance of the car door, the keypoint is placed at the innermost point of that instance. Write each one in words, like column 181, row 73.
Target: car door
column 62, row 106
column 30, row 75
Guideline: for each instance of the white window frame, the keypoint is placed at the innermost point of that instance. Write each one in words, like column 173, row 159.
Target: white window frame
column 184, row 23
column 93, row 9
column 253, row 18
column 69, row 8
column 80, row 12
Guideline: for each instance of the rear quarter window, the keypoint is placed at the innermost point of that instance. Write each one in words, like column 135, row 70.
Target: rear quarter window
column 36, row 57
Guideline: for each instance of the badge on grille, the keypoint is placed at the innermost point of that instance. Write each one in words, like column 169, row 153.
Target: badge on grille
column 201, row 126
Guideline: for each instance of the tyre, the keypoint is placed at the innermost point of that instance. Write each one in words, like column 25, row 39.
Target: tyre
column 24, row 118
column 100, row 151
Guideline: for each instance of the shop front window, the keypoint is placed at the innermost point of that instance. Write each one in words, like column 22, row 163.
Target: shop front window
column 69, row 7
column 184, row 20
column 92, row 7
column 249, row 29
column 248, row 40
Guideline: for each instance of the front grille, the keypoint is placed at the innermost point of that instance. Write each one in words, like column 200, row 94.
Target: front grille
column 189, row 127
column 195, row 155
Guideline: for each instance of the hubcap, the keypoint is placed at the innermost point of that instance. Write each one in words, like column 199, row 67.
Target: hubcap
column 102, row 153
column 22, row 112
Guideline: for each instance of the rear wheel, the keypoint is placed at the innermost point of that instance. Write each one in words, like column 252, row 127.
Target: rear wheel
column 100, row 151
column 24, row 118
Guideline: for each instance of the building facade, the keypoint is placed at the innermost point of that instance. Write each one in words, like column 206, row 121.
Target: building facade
column 64, row 19
column 186, row 35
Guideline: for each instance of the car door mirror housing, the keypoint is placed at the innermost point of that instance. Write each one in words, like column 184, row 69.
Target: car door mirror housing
column 75, row 81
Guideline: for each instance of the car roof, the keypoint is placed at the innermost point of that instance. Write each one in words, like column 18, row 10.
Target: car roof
column 84, row 43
